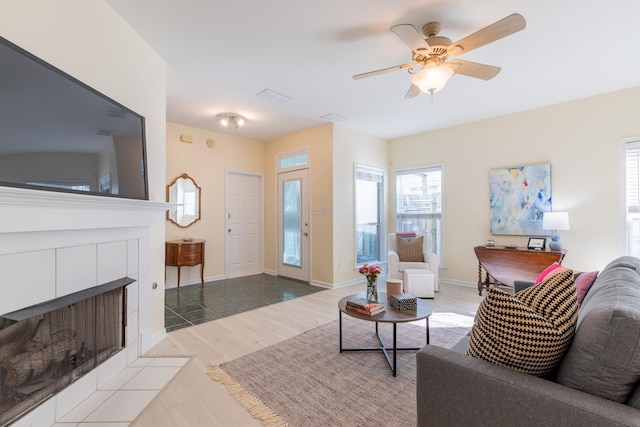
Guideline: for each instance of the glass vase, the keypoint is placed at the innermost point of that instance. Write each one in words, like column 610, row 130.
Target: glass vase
column 372, row 289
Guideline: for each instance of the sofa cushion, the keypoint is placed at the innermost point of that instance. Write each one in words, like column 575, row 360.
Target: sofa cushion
column 528, row 332
column 584, row 281
column 410, row 250
column 604, row 358
column 634, row 400
column 462, row 345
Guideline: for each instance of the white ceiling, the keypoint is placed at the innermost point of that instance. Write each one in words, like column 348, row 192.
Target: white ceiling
column 220, row 54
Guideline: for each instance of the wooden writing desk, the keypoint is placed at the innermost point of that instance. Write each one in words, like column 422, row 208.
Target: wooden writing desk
column 180, row 253
column 505, row 265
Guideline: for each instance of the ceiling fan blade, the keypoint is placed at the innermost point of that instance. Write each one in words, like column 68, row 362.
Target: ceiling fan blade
column 382, row 71
column 412, row 92
column 474, row 69
column 412, row 37
column 502, row 28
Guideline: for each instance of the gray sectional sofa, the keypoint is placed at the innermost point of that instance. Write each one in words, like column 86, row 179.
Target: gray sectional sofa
column 596, row 384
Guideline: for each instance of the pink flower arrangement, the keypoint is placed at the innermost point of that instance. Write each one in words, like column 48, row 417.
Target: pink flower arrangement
column 371, row 272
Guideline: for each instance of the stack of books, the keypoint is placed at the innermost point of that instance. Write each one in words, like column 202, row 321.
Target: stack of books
column 364, row 306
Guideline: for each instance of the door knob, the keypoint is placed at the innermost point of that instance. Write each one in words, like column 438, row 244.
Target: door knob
column 229, row 230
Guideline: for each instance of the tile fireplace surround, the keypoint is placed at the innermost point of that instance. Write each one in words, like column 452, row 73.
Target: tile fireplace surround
column 54, row 244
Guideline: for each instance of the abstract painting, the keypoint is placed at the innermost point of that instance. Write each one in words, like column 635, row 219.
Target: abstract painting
column 518, row 198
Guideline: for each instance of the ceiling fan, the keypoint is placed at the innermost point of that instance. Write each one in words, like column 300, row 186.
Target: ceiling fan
column 431, row 54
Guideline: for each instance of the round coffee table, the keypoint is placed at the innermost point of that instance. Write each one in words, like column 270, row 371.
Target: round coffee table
column 390, row 315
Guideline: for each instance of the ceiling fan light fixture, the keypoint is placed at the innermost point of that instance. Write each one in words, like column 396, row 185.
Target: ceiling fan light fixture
column 228, row 119
column 432, row 78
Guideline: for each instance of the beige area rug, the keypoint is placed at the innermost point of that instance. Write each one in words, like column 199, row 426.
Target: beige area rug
column 306, row 381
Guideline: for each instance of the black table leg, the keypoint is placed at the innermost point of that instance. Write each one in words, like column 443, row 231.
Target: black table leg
column 340, row 323
column 427, row 330
column 395, row 349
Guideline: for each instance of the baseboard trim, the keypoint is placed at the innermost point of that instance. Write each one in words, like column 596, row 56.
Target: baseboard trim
column 462, row 283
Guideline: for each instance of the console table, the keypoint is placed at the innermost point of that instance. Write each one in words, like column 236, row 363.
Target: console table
column 182, row 252
column 507, row 264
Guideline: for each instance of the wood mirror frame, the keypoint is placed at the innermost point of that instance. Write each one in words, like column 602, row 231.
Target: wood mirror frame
column 184, row 195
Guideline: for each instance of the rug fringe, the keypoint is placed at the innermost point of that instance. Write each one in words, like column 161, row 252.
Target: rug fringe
column 257, row 408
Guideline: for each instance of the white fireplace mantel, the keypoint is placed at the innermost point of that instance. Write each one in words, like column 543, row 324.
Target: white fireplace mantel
column 25, row 210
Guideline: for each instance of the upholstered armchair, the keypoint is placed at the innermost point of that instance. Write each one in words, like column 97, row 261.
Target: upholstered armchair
column 396, row 266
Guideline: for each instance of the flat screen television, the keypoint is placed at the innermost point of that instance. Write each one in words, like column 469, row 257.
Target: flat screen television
column 58, row 134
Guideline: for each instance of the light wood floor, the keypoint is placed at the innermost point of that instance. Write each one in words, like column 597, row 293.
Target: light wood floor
column 192, row 399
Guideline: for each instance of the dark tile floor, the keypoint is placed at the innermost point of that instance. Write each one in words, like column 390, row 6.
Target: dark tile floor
column 195, row 304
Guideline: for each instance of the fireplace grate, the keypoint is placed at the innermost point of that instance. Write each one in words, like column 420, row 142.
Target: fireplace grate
column 44, row 352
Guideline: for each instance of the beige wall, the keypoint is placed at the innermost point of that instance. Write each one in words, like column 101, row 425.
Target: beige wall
column 89, row 41
column 581, row 141
column 208, row 167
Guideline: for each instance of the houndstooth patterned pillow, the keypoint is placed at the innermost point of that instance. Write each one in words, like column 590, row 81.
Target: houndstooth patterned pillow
column 530, row 331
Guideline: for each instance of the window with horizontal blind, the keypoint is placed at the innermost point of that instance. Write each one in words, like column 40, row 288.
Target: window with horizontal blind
column 632, row 192
column 419, row 204
column 369, row 202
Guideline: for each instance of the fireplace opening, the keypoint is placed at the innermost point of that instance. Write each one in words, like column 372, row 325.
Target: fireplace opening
column 43, row 351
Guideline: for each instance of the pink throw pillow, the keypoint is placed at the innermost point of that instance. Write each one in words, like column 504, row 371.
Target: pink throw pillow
column 541, row 276
column 555, row 271
column 406, row 234
column 583, row 284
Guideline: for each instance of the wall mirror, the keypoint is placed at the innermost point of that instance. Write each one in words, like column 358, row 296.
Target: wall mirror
column 184, row 196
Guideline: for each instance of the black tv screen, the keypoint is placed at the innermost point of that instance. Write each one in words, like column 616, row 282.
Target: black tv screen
column 57, row 133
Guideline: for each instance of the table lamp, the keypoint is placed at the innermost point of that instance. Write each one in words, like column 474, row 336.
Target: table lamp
column 555, row 221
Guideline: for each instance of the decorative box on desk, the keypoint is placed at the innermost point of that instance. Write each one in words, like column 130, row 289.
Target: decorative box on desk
column 506, row 264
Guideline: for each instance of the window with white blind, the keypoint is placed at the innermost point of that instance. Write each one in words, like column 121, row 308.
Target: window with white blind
column 419, row 204
column 369, row 202
column 632, row 190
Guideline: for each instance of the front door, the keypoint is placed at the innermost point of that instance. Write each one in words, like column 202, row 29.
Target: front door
column 293, row 225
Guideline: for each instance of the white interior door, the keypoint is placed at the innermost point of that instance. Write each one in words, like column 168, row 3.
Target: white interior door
column 293, row 225
column 244, row 224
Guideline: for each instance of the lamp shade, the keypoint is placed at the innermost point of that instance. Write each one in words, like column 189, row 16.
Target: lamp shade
column 432, row 78
column 555, row 221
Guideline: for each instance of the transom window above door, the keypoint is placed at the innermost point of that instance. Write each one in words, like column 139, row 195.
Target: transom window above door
column 293, row 160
